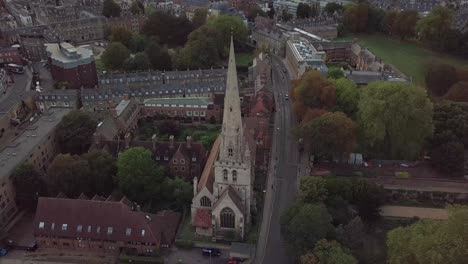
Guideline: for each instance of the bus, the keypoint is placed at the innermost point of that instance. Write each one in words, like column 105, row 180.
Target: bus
column 15, row 68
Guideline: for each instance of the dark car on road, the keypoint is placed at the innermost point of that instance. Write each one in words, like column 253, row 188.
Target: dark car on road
column 214, row 252
column 3, row 252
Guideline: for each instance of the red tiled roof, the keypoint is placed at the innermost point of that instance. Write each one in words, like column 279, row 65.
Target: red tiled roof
column 207, row 177
column 98, row 216
column 203, row 218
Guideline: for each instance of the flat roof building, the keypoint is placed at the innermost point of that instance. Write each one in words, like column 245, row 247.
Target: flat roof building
column 302, row 56
column 74, row 65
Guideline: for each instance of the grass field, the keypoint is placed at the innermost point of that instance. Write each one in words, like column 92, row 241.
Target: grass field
column 243, row 59
column 408, row 57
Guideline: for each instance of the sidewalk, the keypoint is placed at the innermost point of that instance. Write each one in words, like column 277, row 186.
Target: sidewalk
column 409, row 212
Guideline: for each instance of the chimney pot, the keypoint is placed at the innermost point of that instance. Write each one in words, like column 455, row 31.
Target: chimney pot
column 171, row 141
column 189, row 142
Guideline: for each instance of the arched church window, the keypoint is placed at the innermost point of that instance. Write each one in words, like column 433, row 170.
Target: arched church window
column 228, row 218
column 234, row 175
column 230, row 152
column 205, row 202
column 225, row 174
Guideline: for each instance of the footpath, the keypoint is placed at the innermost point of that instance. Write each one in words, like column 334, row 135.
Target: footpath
column 408, row 212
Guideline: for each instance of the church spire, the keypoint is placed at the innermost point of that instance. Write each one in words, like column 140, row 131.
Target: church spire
column 232, row 140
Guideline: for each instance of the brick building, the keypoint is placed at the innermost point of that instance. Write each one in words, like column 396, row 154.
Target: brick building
column 122, row 121
column 193, row 108
column 10, row 55
column 336, row 51
column 102, row 225
column 74, row 65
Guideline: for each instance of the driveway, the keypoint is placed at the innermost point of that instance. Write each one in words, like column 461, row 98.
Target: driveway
column 194, row 256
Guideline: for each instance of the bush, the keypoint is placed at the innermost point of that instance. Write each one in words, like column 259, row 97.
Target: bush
column 184, row 244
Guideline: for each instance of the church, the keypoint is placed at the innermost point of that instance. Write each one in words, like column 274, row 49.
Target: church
column 223, row 196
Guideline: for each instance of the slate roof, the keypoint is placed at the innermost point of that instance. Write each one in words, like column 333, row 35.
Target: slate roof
column 231, row 193
column 103, row 220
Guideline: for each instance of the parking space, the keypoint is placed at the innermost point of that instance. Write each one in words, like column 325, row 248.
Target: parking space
column 195, row 256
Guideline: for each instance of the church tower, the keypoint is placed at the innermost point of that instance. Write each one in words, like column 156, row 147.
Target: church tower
column 233, row 184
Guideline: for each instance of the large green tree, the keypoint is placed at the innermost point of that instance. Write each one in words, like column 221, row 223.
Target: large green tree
column 74, row 132
column 440, row 77
column 168, row 28
column 330, row 134
column 428, row 241
column 331, row 252
column 396, row 119
column 227, row 26
column 158, row 57
column 303, row 225
column 139, row 62
column 139, row 177
column 111, row 9
column 103, row 169
column 332, row 7
column 458, row 92
column 115, row 55
column 70, row 175
column 405, row 22
column 178, row 191
column 123, row 35
column 356, row 17
column 312, row 190
column 436, row 30
column 199, row 17
column 137, row 7
column 347, row 97
column 29, row 185
column 305, row 11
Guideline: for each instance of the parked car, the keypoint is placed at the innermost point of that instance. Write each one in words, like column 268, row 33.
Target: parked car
column 3, row 252
column 214, row 252
column 233, row 261
column 32, row 246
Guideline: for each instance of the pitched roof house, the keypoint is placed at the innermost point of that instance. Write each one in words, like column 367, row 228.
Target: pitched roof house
column 94, row 224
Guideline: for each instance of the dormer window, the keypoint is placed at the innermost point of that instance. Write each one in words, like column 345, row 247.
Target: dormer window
column 142, row 232
column 128, row 231
column 41, row 225
column 64, row 227
column 79, row 228
column 194, row 158
column 110, row 230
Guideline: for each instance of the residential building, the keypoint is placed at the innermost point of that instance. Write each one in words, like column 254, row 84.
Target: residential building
column 362, row 78
column 10, row 55
column 73, row 65
column 329, row 32
column 48, row 99
column 34, row 144
column 4, row 81
column 182, row 159
column 102, row 225
column 291, row 5
column 192, row 108
column 224, row 199
column 302, row 56
column 122, row 121
column 335, row 51
column 266, row 35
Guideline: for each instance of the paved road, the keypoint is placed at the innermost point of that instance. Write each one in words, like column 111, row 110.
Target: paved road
column 282, row 180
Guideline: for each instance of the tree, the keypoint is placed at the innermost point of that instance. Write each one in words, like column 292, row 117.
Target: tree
column 436, row 29
column 115, row 55
column 253, row 12
column 440, row 77
column 458, row 92
column 314, row 91
column 335, row 73
column 227, row 25
column 139, row 62
column 74, row 132
column 102, row 171
column 429, row 241
column 169, row 29
column 375, row 19
column 139, row 177
column 332, row 7
column 70, row 175
column 286, row 16
column 138, row 43
column 448, row 158
column 330, row 134
column 331, row 252
column 111, row 9
column 395, row 118
column 158, row 57
column 405, row 24
column 178, row 191
column 123, row 35
column 29, row 186
column 271, row 12
column 199, row 17
column 355, row 18
column 303, row 225
column 305, row 11
column 137, row 7
column 389, row 21
column 312, row 190
column 347, row 97
column 311, row 114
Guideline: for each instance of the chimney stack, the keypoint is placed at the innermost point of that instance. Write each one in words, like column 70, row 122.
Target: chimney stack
column 171, row 141
column 195, row 185
column 189, row 142
column 154, row 139
column 127, row 140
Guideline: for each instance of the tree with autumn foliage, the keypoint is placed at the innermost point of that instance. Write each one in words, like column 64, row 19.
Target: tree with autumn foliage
column 312, row 90
column 458, row 92
column 329, row 134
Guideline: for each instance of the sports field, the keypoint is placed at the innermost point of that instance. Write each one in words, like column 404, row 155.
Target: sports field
column 408, row 57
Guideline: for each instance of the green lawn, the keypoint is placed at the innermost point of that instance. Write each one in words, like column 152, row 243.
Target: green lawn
column 408, row 57
column 243, row 59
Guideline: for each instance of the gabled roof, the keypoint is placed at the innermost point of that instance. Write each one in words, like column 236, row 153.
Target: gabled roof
column 207, row 177
column 231, row 193
column 102, row 220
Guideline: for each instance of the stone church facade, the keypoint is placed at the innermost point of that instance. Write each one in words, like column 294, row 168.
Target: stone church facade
column 223, row 196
